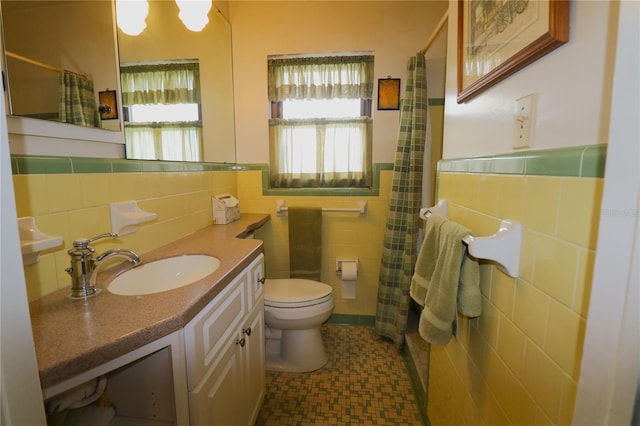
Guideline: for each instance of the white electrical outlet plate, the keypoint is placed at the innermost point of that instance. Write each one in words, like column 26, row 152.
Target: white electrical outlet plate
column 523, row 124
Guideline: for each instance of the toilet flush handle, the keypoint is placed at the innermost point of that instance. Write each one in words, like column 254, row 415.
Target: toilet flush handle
column 261, row 280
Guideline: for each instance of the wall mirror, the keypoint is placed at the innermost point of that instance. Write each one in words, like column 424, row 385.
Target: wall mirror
column 59, row 57
column 29, row 31
column 166, row 39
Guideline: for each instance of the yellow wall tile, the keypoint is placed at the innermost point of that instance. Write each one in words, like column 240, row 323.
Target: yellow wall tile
column 511, row 345
column 41, row 277
column 63, row 192
column 488, row 322
column 503, row 290
column 586, row 262
column 31, row 195
column 544, row 379
column 518, row 404
column 565, row 338
column 94, row 189
column 567, row 403
column 541, row 196
column 555, row 268
column 484, row 193
column 547, row 303
column 530, row 311
column 579, row 214
column 510, row 197
column 77, row 206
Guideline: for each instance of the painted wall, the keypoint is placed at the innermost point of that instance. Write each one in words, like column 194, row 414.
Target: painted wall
column 572, row 84
column 393, row 30
column 67, row 202
column 519, row 362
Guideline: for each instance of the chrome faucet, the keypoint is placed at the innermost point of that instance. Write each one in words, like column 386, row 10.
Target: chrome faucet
column 84, row 266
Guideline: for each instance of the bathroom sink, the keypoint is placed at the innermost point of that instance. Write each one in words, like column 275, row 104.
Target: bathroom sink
column 162, row 275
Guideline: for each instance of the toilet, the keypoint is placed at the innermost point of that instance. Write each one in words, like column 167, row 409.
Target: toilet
column 294, row 310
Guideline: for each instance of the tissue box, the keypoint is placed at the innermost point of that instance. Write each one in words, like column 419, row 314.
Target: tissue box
column 225, row 209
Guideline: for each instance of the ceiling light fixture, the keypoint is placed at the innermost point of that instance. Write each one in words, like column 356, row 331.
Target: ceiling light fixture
column 131, row 16
column 194, row 13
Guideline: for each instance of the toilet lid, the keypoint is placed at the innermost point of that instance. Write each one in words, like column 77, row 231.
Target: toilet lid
column 295, row 292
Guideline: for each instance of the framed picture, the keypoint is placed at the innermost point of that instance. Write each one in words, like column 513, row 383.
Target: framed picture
column 496, row 38
column 388, row 93
column 108, row 105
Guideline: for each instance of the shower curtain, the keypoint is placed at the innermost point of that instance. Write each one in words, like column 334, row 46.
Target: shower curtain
column 400, row 241
column 77, row 100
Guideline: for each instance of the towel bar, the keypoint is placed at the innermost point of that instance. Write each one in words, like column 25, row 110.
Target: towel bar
column 502, row 247
column 281, row 208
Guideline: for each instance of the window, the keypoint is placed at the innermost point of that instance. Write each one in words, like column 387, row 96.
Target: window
column 163, row 105
column 320, row 126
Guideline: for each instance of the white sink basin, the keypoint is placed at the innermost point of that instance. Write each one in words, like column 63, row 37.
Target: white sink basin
column 162, row 275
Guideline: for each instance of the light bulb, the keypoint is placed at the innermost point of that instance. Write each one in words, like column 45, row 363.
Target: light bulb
column 194, row 13
column 131, row 16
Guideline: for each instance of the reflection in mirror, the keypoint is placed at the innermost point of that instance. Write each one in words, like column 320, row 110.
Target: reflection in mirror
column 161, row 102
column 166, row 39
column 59, row 58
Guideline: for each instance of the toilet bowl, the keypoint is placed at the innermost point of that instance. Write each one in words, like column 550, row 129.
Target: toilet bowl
column 294, row 310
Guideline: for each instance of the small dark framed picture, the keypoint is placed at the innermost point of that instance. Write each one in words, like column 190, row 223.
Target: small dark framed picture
column 389, row 94
column 108, row 105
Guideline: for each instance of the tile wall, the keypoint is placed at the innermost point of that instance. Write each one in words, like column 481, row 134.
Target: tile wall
column 519, row 362
column 70, row 197
column 344, row 235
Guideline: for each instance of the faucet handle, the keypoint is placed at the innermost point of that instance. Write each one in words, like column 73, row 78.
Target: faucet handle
column 83, row 243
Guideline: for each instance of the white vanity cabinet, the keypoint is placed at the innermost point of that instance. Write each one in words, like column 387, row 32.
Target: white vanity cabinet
column 224, row 348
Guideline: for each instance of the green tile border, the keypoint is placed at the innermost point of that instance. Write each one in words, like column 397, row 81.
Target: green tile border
column 581, row 161
column 419, row 395
column 436, row 101
column 348, row 319
column 24, row 164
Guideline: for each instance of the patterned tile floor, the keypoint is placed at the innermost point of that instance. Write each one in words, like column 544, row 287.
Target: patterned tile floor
column 365, row 382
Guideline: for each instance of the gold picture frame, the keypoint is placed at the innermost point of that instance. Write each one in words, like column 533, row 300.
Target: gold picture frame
column 499, row 37
column 388, row 93
column 108, row 106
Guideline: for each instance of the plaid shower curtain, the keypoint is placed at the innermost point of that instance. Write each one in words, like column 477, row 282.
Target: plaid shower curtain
column 400, row 242
column 77, row 100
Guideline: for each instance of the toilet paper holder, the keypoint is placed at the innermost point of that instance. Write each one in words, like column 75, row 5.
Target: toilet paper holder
column 339, row 264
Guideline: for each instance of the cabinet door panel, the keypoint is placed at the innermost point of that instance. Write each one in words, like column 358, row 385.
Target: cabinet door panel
column 212, row 327
column 254, row 358
column 214, row 400
column 256, row 279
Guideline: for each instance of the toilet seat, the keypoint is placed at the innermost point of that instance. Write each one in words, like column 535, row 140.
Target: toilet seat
column 295, row 293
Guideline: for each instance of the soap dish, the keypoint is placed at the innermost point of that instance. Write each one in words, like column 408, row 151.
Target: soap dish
column 126, row 216
column 33, row 240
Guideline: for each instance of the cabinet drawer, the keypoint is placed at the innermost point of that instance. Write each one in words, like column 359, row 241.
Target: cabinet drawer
column 215, row 325
column 255, row 281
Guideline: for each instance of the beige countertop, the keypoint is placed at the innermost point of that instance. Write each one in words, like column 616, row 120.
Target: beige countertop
column 73, row 336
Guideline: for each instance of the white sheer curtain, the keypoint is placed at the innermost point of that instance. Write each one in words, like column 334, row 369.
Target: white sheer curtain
column 320, row 152
column 163, row 142
column 162, row 84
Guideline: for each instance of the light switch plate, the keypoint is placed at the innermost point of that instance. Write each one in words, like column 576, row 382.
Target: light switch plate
column 523, row 124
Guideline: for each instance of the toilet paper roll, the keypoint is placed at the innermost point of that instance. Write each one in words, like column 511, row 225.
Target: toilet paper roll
column 349, row 271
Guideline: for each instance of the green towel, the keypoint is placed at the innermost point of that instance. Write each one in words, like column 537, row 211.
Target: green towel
column 445, row 280
column 305, row 242
column 426, row 261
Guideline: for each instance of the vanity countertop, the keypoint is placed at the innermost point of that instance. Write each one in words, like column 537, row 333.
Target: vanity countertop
column 73, row 336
